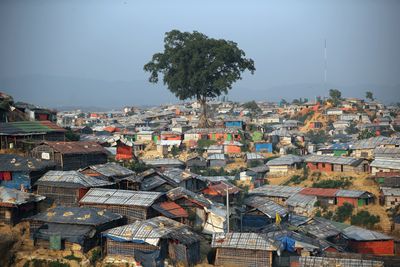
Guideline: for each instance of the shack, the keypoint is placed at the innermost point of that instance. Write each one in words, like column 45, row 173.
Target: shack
column 277, row 193
column 325, row 196
column 109, row 171
column 217, row 192
column 16, row 205
column 216, row 160
column 357, row 198
column 164, row 163
column 365, row 241
column 152, row 241
column 325, row 163
column 71, row 155
column 184, row 178
column 22, row 172
column 261, row 212
column 24, row 134
column 301, row 204
column 71, row 228
column 243, row 249
column 385, row 165
column 67, row 187
column 284, row 164
column 133, row 205
column 254, row 159
column 196, row 162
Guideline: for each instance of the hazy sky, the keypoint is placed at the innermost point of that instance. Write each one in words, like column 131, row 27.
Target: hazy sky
column 92, row 53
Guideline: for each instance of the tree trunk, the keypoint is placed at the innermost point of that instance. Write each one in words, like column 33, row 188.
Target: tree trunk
column 204, row 121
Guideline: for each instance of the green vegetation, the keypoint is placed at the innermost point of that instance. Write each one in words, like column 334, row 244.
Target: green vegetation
column 343, row 212
column 369, row 95
column 365, row 219
column 138, row 166
column 204, row 143
column 252, row 106
column 72, row 257
column 45, row 263
column 214, row 172
column 352, row 128
column 365, row 134
column 71, row 136
column 335, row 97
column 95, row 256
column 195, row 66
column 317, row 136
column 295, row 179
column 343, row 183
column 175, row 151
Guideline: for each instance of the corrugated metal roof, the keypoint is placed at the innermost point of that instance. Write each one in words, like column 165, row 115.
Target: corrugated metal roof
column 320, row 228
column 120, row 197
column 152, row 230
column 12, row 162
column 112, row 169
column 254, row 156
column 170, row 210
column 300, row 200
column 386, row 163
column 181, row 192
column 71, row 179
column 276, row 190
column 76, row 215
column 352, row 193
column 285, row 160
column 387, row 152
column 250, row 241
column 266, row 206
column 319, row 192
column 178, row 175
column 374, row 142
column 361, row 234
column 333, row 160
column 310, row 261
column 216, row 157
column 29, row 127
column 10, row 196
column 391, row 191
column 158, row 162
column 76, row 147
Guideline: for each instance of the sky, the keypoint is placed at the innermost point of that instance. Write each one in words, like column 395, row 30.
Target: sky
column 92, row 52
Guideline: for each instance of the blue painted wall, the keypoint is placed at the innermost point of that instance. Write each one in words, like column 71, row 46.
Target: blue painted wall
column 234, row 124
column 263, row 147
column 18, row 178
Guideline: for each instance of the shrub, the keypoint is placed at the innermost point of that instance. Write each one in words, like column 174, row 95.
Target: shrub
column 344, row 183
column 96, row 255
column 364, row 218
column 328, row 215
column 344, row 212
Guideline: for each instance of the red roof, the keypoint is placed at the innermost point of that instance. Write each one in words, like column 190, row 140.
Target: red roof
column 319, row 192
column 220, row 189
column 170, row 209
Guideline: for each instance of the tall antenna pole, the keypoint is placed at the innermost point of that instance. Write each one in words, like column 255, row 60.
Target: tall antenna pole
column 326, row 66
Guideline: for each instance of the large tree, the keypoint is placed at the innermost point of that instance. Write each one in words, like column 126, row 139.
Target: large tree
column 369, row 95
column 196, row 66
column 335, row 97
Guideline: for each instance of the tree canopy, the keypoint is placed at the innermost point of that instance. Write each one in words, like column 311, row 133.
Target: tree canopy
column 369, row 95
column 335, row 96
column 196, row 66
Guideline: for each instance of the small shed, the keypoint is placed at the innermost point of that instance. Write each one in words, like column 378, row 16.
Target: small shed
column 67, row 187
column 325, row 196
column 110, row 171
column 284, row 164
column 263, row 147
column 301, row 204
column 19, row 172
column 243, row 249
column 71, row 228
column 217, row 192
column 171, row 210
column 357, row 198
column 196, row 162
column 254, row 159
column 365, row 241
column 133, row 205
column 71, row 155
column 385, row 165
column 232, row 147
column 325, row 163
column 16, row 205
column 152, row 241
column 260, row 212
column 390, row 197
column 216, row 160
column 184, row 178
column 277, row 193
column 152, row 180
column 164, row 163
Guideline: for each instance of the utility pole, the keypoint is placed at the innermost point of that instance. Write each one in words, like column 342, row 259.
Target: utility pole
column 227, row 208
